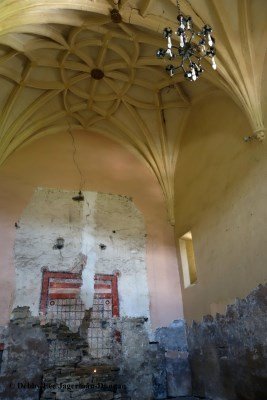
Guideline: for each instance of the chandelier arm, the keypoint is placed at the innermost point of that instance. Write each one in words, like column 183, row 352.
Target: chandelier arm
column 177, row 67
column 192, row 35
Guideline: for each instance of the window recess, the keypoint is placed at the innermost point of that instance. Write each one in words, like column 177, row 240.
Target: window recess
column 188, row 259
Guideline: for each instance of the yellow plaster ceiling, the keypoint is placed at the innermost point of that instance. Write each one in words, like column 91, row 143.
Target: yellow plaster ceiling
column 49, row 48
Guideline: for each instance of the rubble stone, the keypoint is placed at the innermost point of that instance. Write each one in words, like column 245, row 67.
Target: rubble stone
column 221, row 358
column 228, row 354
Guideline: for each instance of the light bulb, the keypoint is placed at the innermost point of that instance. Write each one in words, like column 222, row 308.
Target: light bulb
column 194, row 77
column 169, row 53
column 210, row 41
column 188, row 75
column 170, row 70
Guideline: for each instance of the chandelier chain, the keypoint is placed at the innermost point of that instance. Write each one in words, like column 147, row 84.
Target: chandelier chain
column 178, row 7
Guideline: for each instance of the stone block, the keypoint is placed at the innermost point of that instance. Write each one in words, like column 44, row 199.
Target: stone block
column 178, row 374
column 173, row 341
column 172, row 337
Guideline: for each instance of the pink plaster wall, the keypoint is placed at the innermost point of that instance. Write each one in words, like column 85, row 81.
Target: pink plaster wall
column 107, row 167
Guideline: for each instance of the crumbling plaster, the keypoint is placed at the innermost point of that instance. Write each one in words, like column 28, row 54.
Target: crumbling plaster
column 107, row 167
column 101, row 219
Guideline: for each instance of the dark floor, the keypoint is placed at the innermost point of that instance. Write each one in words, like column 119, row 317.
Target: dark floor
column 185, row 398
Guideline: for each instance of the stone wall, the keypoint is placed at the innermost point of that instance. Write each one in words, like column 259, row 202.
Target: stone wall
column 222, row 358
column 228, row 353
column 49, row 362
column 87, row 297
column 25, row 357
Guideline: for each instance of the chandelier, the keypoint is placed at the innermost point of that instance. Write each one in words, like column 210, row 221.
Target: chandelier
column 193, row 47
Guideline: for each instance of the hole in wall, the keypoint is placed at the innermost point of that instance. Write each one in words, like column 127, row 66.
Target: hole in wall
column 59, row 244
column 79, row 197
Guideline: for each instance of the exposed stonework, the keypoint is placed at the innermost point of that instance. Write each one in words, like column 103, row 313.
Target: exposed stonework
column 50, row 361
column 65, row 346
column 142, row 364
column 228, row 353
column 25, row 356
column 172, row 340
column 135, row 371
column 86, row 317
column 227, row 357
column 73, row 374
column 83, row 382
column 87, row 281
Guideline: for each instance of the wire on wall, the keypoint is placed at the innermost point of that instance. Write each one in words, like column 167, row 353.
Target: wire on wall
column 80, row 196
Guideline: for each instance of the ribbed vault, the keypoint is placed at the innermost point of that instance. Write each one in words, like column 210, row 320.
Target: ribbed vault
column 48, row 50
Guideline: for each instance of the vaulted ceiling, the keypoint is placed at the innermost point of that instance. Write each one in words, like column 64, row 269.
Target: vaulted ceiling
column 49, row 48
